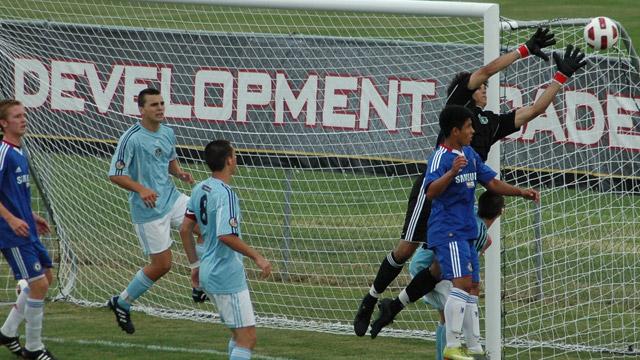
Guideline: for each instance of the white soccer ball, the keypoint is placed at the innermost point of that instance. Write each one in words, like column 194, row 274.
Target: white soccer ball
column 601, row 33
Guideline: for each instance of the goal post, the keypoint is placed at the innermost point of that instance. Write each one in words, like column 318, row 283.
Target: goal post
column 332, row 107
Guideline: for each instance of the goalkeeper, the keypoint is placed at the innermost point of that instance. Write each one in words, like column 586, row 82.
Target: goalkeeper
column 466, row 89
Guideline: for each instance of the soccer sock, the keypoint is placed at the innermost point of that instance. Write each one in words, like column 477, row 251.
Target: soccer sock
column 399, row 303
column 138, row 286
column 231, row 346
column 471, row 324
column 441, row 341
column 33, row 314
column 389, row 270
column 420, row 285
column 16, row 315
column 454, row 311
column 240, row 353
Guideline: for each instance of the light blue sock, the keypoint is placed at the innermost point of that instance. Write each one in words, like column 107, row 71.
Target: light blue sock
column 240, row 353
column 231, row 346
column 138, row 286
column 441, row 341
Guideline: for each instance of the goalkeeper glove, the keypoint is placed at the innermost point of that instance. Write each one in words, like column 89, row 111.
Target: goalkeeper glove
column 573, row 60
column 540, row 40
column 198, row 295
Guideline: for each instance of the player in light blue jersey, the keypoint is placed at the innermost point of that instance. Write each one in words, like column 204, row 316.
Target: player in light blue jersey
column 19, row 242
column 490, row 207
column 142, row 162
column 215, row 208
column 453, row 172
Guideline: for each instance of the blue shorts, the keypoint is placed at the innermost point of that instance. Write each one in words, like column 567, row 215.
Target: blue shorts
column 28, row 261
column 458, row 259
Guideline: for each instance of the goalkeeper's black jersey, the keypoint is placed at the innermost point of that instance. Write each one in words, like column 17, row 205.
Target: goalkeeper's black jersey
column 489, row 127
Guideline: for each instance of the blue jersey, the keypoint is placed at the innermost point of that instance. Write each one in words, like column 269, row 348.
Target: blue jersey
column 215, row 206
column 15, row 194
column 144, row 156
column 452, row 216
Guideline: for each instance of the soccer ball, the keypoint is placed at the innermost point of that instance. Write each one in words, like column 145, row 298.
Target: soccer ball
column 601, row 33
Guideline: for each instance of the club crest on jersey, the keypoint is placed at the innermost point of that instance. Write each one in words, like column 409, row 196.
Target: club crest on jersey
column 483, row 119
column 233, row 222
column 120, row 164
column 158, row 152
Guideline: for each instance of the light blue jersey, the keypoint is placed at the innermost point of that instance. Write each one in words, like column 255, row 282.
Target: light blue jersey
column 481, row 242
column 144, row 156
column 215, row 206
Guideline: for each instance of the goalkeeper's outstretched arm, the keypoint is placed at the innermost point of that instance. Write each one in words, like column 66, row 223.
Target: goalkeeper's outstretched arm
column 541, row 39
column 572, row 61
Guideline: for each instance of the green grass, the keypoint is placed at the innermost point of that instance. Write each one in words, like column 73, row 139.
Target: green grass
column 73, row 332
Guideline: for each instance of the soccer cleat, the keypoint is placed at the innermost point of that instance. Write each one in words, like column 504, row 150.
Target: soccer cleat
column 363, row 317
column 385, row 318
column 123, row 317
column 12, row 343
column 198, row 295
column 455, row 353
column 477, row 355
column 43, row 354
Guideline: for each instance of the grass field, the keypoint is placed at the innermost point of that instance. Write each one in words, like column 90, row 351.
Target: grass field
column 326, row 275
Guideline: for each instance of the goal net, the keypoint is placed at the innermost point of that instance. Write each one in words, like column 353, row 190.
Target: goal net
column 332, row 114
column 569, row 263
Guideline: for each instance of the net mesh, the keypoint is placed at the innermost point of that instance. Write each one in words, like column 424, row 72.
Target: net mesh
column 332, row 114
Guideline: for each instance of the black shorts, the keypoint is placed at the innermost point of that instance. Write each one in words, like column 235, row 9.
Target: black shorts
column 418, row 211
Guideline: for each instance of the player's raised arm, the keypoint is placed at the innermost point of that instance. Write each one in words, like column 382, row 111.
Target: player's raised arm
column 438, row 186
column 572, row 61
column 538, row 41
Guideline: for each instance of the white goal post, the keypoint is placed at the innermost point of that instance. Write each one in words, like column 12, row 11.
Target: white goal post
column 332, row 107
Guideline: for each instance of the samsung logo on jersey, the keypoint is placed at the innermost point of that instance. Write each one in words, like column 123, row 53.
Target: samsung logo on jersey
column 23, row 179
column 466, row 177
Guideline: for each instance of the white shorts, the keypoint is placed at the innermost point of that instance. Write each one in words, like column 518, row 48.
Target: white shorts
column 235, row 309
column 438, row 296
column 155, row 236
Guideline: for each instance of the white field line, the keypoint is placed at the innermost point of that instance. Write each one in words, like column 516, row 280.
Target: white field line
column 162, row 348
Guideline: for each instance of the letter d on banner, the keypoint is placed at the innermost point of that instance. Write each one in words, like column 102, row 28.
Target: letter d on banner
column 31, row 79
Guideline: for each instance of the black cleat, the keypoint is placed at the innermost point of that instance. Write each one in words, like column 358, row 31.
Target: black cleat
column 363, row 317
column 198, row 295
column 123, row 317
column 12, row 343
column 43, row 354
column 385, row 318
